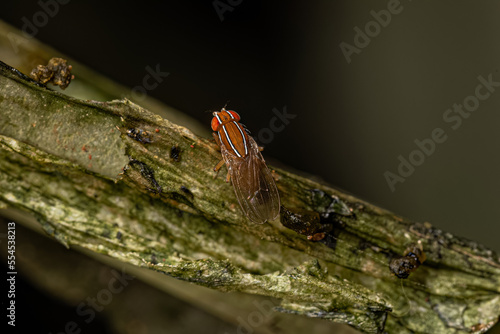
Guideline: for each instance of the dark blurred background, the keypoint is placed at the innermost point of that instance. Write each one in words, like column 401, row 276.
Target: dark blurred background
column 354, row 115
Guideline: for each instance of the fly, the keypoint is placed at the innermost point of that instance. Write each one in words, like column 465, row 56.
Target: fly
column 252, row 181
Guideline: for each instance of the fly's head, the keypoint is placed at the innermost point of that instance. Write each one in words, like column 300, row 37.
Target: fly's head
column 223, row 117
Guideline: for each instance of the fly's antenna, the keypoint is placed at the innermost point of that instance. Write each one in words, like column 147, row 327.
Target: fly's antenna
column 226, row 104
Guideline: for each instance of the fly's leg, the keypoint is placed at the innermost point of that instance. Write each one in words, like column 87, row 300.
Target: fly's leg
column 218, row 167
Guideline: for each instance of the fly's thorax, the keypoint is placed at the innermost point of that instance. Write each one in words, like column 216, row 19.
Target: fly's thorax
column 231, row 133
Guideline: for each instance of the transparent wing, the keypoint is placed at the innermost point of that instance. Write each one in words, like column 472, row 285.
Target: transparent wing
column 253, row 184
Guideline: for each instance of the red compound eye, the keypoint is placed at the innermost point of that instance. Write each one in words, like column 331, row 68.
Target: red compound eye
column 215, row 124
column 234, row 114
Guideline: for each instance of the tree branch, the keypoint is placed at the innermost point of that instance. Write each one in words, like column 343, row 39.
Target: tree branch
column 100, row 175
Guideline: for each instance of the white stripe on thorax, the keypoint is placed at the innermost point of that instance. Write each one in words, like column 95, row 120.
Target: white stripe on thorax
column 227, row 136
column 230, row 142
column 242, row 134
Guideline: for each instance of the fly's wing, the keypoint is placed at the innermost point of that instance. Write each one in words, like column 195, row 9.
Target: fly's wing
column 254, row 185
